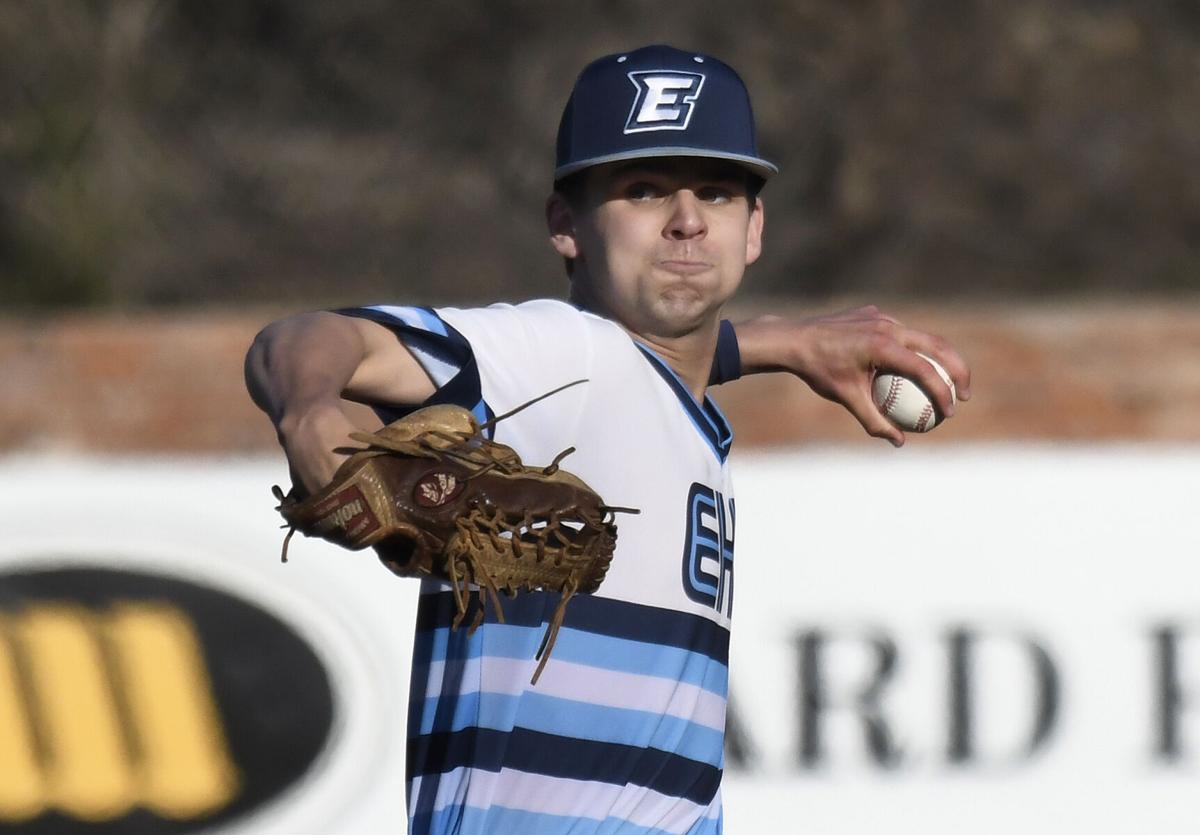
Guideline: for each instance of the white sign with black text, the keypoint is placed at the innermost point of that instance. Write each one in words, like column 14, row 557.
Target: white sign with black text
column 979, row 640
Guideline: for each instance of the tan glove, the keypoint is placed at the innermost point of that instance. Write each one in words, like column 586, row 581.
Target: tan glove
column 437, row 499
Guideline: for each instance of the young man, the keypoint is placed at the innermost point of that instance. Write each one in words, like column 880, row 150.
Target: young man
column 656, row 210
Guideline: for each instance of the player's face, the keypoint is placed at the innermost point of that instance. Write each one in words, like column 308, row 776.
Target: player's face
column 661, row 244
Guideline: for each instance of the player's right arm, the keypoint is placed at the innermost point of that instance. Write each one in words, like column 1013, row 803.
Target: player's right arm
column 300, row 371
column 838, row 354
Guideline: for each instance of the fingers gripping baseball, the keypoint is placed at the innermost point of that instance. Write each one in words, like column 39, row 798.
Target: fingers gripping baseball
column 906, row 403
column 839, row 355
column 913, row 384
column 838, row 358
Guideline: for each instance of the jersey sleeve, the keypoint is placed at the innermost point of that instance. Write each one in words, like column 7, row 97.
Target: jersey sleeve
column 442, row 351
column 494, row 359
column 727, row 363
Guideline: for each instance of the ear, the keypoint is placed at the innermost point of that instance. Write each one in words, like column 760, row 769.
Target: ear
column 560, row 221
column 754, row 232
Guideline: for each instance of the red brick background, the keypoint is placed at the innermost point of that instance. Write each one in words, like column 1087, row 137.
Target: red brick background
column 1063, row 371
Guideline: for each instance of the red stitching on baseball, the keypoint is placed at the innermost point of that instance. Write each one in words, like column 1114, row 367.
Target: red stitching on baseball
column 893, row 394
column 926, row 414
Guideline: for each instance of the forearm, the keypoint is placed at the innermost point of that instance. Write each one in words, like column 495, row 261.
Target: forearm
column 766, row 343
column 838, row 354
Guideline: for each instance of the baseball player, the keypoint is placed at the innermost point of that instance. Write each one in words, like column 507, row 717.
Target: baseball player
column 656, row 212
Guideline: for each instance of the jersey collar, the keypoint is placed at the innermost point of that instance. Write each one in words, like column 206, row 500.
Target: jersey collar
column 706, row 417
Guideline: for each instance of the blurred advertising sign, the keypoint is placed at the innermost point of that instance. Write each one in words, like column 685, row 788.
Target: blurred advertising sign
column 126, row 695
column 162, row 672
column 985, row 640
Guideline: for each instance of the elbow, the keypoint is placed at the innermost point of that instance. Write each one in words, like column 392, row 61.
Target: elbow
column 269, row 340
column 254, row 368
column 257, row 368
column 259, row 346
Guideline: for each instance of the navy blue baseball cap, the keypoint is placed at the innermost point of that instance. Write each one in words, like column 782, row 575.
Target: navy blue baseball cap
column 658, row 101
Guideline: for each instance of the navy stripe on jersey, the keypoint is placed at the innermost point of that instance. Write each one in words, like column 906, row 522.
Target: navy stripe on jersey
column 707, row 418
column 566, row 716
column 558, row 756
column 587, row 613
column 441, row 338
column 455, row 650
column 727, row 363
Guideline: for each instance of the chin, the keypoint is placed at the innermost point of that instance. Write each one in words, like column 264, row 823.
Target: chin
column 678, row 317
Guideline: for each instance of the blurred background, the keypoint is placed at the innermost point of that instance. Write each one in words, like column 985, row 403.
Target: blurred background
column 1019, row 177
column 1022, row 174
column 170, row 153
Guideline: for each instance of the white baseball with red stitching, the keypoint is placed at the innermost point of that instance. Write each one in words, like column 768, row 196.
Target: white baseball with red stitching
column 905, row 404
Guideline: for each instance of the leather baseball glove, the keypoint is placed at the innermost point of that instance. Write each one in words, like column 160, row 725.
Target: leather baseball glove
column 437, row 499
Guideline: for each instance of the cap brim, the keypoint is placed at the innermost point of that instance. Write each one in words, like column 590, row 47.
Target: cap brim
column 756, row 165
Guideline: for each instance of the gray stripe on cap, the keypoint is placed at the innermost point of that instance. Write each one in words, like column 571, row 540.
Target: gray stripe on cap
column 757, row 165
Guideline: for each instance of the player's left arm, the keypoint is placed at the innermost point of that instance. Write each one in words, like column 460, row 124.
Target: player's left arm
column 837, row 355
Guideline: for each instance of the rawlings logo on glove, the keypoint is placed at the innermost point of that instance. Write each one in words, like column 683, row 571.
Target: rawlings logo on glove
column 437, row 499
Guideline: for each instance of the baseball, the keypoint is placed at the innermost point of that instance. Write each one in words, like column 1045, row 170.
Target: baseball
column 905, row 404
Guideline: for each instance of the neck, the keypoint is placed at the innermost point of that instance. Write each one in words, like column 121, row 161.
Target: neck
column 690, row 356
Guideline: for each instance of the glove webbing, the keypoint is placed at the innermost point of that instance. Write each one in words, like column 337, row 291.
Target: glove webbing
column 460, row 586
column 464, row 567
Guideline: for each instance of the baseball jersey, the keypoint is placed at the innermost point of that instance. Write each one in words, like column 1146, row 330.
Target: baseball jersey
column 624, row 731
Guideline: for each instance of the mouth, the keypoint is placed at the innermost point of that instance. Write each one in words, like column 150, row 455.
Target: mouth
column 683, row 266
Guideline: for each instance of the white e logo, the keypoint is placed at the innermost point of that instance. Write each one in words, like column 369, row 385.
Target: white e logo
column 664, row 100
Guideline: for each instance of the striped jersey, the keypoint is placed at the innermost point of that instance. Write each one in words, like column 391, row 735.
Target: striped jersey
column 624, row 731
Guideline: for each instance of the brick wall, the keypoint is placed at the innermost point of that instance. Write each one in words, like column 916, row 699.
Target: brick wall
column 155, row 383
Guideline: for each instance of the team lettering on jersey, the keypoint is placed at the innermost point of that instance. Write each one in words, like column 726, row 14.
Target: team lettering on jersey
column 664, row 100
column 708, row 549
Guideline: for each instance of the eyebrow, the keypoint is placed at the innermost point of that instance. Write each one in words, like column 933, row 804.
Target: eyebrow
column 639, row 166
column 669, row 166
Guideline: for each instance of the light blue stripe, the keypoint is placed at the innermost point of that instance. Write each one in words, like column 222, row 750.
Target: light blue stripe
column 504, row 640
column 698, row 538
column 417, row 316
column 431, row 322
column 700, row 429
column 692, row 413
column 408, row 315
column 432, row 348
column 480, row 412
column 666, row 366
column 566, row 717
column 471, row 820
column 729, row 437
column 720, row 448
column 600, row 651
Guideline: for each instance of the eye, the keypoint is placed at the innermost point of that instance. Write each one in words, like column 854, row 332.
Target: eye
column 715, row 194
column 643, row 191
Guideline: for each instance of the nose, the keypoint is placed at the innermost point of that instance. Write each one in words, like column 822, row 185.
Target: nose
column 687, row 217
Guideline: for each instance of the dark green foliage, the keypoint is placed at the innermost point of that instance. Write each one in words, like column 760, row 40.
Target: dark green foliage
column 167, row 152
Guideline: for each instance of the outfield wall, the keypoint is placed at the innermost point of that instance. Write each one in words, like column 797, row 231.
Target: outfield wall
column 983, row 639
column 1066, row 370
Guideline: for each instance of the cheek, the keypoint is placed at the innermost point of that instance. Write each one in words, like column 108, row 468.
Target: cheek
column 732, row 240
column 626, row 247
